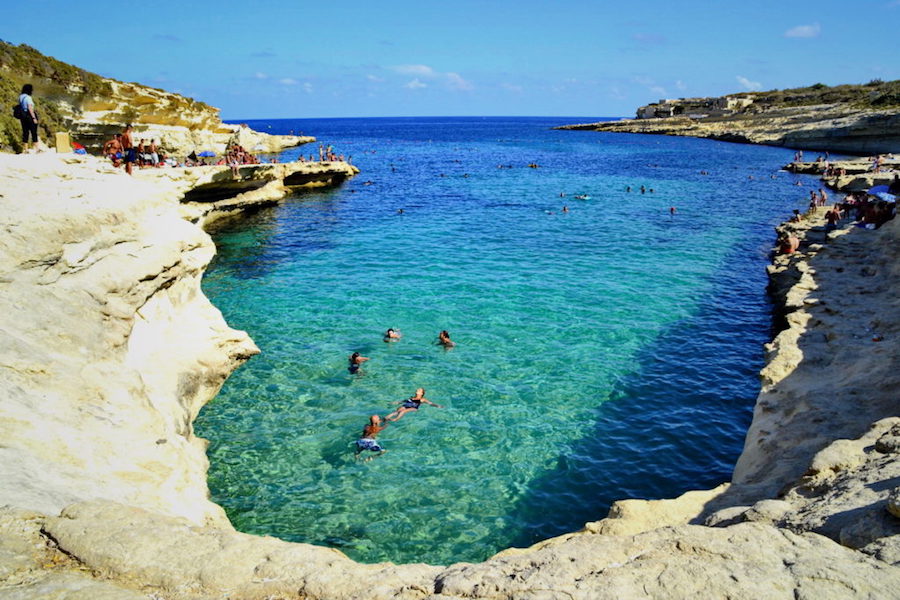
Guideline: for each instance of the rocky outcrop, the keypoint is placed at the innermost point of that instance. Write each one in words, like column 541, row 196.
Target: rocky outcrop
column 179, row 125
column 834, row 127
column 110, row 349
column 215, row 192
column 93, row 108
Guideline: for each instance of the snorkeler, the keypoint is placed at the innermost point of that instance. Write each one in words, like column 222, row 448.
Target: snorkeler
column 355, row 361
column 410, row 405
column 444, row 339
column 392, row 335
column 367, row 439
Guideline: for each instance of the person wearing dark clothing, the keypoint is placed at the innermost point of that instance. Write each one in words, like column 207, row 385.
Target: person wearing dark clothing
column 28, row 118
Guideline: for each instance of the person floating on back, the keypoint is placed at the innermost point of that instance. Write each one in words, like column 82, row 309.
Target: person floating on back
column 411, row 404
column 367, row 441
column 355, row 361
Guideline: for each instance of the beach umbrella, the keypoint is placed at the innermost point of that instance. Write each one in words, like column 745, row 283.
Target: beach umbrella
column 206, row 154
column 885, row 196
column 878, row 189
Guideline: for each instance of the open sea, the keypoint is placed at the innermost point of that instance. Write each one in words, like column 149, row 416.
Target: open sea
column 605, row 353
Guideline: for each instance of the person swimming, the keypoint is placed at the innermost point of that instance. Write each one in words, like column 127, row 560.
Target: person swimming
column 367, row 441
column 392, row 335
column 444, row 339
column 410, row 405
column 355, row 361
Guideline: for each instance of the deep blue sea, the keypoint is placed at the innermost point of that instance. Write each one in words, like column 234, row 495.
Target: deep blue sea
column 604, row 353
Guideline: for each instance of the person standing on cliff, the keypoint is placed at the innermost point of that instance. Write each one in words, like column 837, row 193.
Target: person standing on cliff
column 128, row 149
column 28, row 117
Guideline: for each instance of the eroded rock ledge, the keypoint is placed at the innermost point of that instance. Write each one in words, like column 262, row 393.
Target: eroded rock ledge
column 110, row 349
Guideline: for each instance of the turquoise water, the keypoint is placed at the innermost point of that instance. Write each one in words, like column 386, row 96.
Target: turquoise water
column 606, row 353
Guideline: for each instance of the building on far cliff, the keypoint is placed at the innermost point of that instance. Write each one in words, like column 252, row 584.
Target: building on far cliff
column 695, row 108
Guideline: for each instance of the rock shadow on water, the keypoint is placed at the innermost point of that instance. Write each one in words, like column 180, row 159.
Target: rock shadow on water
column 253, row 245
column 659, row 435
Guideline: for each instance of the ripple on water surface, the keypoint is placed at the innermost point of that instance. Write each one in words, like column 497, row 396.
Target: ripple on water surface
column 606, row 353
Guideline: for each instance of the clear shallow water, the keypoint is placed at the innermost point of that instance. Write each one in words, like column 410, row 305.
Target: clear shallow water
column 607, row 353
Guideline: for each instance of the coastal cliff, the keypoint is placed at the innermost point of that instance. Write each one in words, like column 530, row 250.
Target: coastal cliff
column 94, row 108
column 111, row 349
column 851, row 119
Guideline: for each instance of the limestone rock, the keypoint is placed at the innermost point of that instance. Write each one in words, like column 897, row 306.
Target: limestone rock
column 836, row 127
column 742, row 561
column 630, row 517
column 893, row 502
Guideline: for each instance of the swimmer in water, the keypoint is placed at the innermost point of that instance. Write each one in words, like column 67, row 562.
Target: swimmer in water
column 367, row 439
column 392, row 335
column 355, row 361
column 410, row 405
column 565, row 209
column 444, row 339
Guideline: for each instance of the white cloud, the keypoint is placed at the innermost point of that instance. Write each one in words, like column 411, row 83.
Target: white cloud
column 804, row 31
column 375, row 79
column 680, row 86
column 259, row 75
column 308, row 87
column 751, row 86
column 288, row 81
column 456, row 82
column 518, row 89
column 659, row 91
column 415, row 84
column 415, row 70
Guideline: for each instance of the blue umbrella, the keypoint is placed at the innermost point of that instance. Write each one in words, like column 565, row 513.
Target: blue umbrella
column 878, row 189
column 206, row 154
column 885, row 196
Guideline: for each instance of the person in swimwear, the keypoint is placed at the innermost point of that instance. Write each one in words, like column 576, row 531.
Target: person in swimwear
column 355, row 361
column 391, row 335
column 444, row 339
column 367, row 439
column 410, row 405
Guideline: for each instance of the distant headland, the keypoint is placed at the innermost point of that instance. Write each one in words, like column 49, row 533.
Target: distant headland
column 856, row 119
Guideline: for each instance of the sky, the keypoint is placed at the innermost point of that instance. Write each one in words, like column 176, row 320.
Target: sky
column 348, row 58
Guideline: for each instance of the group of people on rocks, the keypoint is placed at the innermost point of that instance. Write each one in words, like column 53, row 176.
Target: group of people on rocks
column 121, row 149
column 867, row 210
column 367, row 441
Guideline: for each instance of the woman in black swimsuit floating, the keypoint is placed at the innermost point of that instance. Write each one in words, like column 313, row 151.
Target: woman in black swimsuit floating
column 410, row 405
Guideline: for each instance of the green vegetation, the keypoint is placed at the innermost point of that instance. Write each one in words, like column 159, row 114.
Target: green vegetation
column 53, row 80
column 876, row 94
column 55, row 84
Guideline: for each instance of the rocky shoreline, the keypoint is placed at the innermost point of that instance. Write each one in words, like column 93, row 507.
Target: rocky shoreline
column 112, row 349
column 825, row 127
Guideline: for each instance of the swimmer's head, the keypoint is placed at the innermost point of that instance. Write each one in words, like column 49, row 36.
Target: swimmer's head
column 420, row 391
column 354, row 356
column 374, row 419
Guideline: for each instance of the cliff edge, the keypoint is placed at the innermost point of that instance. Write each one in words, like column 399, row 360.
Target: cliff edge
column 94, row 108
column 111, row 349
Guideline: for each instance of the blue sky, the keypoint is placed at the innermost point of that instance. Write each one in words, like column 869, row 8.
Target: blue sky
column 280, row 59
